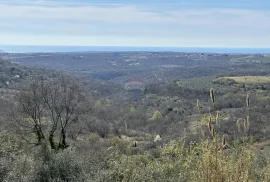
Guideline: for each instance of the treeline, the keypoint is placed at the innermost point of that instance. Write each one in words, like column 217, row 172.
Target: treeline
column 56, row 131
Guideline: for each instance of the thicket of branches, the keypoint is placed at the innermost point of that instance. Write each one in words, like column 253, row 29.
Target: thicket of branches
column 49, row 108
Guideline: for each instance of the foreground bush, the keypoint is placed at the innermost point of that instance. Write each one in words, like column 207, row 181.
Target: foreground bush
column 206, row 161
column 176, row 161
column 45, row 165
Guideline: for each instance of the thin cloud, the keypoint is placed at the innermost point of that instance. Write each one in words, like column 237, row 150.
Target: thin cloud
column 115, row 20
column 126, row 14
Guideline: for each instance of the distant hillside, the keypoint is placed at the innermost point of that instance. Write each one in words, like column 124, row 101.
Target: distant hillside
column 13, row 75
column 151, row 67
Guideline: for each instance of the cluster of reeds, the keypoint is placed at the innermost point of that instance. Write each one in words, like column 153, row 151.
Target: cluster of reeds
column 247, row 124
column 210, row 126
column 198, row 106
column 247, row 121
column 243, row 125
column 247, row 100
column 214, row 122
column 212, row 96
column 218, row 119
column 213, row 125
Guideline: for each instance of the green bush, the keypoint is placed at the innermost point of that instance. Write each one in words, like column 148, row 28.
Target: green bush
column 156, row 116
column 63, row 166
column 205, row 161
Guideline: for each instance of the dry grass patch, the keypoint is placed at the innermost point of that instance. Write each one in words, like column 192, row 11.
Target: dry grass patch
column 250, row 79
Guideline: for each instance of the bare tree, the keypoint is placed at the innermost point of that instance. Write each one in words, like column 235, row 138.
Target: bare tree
column 48, row 108
column 4, row 113
column 31, row 109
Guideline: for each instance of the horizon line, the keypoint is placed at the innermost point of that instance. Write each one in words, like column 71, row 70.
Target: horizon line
column 141, row 46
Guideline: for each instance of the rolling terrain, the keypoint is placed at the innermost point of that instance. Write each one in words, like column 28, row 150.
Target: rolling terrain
column 150, row 66
column 192, row 103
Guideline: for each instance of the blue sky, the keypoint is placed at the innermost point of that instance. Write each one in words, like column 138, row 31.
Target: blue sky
column 170, row 23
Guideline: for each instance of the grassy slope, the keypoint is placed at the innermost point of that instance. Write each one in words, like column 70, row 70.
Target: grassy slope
column 250, row 79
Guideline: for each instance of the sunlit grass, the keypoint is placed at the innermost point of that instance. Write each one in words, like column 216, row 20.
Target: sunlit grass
column 242, row 58
column 250, row 79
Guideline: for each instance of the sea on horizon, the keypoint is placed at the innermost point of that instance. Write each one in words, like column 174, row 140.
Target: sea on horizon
column 65, row 49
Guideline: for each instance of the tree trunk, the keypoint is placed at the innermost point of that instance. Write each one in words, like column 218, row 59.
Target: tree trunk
column 39, row 134
column 62, row 142
column 51, row 140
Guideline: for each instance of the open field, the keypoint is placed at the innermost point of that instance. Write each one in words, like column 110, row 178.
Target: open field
column 250, row 79
column 250, row 58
